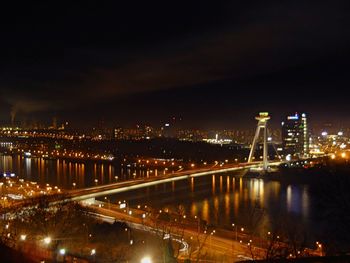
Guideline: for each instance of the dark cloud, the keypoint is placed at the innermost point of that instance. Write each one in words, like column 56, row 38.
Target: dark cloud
column 68, row 59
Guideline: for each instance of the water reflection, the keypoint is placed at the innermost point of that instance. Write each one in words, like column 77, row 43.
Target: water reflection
column 205, row 210
column 66, row 173
column 222, row 199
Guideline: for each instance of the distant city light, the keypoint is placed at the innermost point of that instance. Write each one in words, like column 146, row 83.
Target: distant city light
column 288, row 157
column 295, row 117
column 324, row 133
column 62, row 251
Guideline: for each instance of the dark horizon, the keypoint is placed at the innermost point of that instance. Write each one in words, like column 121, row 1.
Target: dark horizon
column 212, row 65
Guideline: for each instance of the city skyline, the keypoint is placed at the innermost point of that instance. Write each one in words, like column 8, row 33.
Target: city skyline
column 175, row 123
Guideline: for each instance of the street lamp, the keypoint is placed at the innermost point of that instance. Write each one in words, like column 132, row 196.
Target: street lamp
column 62, row 251
column 23, row 237
column 146, row 260
column 93, row 254
column 235, row 228
column 47, row 240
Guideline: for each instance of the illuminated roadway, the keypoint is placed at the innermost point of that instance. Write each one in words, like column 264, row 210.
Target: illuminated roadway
column 97, row 191
column 213, row 244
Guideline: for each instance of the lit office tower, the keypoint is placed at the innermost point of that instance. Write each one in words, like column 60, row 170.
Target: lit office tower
column 295, row 137
column 306, row 134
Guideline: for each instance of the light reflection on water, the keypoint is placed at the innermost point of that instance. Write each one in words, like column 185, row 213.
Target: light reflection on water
column 219, row 199
column 64, row 173
column 226, row 199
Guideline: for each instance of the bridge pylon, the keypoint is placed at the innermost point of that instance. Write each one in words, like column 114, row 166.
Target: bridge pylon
column 262, row 125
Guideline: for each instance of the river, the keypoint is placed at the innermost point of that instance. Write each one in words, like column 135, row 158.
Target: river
column 220, row 199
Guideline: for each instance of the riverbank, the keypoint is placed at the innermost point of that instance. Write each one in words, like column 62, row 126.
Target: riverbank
column 213, row 242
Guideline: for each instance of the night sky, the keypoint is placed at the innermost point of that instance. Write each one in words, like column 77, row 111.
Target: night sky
column 214, row 64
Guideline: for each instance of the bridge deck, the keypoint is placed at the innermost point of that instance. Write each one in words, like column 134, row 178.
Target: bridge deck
column 92, row 192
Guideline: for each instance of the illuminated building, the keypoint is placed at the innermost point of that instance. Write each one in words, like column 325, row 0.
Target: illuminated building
column 119, row 133
column 218, row 141
column 135, row 133
column 295, row 137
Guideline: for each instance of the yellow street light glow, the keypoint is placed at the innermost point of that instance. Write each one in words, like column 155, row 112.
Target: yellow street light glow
column 23, row 237
column 93, row 252
column 47, row 240
column 146, row 260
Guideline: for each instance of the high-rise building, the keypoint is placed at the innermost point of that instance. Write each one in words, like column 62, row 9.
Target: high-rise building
column 295, row 135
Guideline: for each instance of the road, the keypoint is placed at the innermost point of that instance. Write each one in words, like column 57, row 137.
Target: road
column 211, row 244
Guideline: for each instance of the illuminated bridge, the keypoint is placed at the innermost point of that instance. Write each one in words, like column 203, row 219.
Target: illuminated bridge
column 92, row 192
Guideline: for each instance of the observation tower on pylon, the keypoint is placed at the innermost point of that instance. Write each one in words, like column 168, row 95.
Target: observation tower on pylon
column 262, row 125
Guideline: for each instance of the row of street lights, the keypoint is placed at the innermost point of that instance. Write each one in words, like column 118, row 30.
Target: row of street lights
column 47, row 241
column 235, row 227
